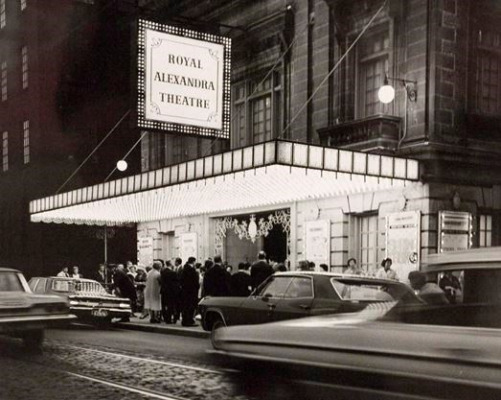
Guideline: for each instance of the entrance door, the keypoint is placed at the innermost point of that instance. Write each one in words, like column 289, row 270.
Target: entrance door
column 240, row 250
column 275, row 244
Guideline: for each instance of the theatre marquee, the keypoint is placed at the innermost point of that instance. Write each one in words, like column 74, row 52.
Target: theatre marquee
column 183, row 80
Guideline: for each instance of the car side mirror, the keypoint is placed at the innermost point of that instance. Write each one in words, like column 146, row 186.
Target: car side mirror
column 266, row 297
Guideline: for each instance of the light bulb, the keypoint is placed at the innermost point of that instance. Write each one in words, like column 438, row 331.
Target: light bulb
column 386, row 94
column 121, row 165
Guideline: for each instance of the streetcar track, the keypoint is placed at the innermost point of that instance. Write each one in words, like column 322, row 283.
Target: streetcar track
column 221, row 371
column 166, row 363
column 129, row 388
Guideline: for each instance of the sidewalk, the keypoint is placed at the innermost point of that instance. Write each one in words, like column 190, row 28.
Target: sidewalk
column 144, row 325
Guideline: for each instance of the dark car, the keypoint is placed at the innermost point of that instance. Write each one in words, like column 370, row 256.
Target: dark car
column 26, row 315
column 292, row 295
column 391, row 350
column 87, row 298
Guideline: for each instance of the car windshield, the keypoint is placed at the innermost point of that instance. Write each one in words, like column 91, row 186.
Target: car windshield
column 10, row 282
column 351, row 290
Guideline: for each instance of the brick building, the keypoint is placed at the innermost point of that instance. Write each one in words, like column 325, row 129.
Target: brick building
column 63, row 89
column 309, row 72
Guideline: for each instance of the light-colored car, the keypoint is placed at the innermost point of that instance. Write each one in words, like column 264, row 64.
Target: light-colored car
column 87, row 298
column 25, row 314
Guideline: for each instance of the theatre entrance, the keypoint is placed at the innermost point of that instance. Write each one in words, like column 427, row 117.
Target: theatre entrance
column 241, row 237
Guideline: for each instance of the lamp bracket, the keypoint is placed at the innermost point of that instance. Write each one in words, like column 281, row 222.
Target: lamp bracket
column 409, row 85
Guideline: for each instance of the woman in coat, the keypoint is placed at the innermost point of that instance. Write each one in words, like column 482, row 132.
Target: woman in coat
column 152, row 299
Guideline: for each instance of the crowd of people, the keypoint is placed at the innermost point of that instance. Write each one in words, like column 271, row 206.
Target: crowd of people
column 169, row 291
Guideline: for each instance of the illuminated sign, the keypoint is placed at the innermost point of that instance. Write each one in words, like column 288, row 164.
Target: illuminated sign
column 183, row 81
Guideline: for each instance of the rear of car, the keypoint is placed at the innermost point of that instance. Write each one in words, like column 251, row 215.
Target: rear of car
column 26, row 315
column 87, row 298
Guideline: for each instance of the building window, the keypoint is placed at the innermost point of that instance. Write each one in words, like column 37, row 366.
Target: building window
column 3, row 16
column 257, row 110
column 368, row 243
column 24, row 63
column 23, row 4
column 485, row 231
column 488, row 72
column 5, row 151
column 4, row 80
column 26, row 141
column 373, row 54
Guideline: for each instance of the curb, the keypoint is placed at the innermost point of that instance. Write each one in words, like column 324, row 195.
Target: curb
column 161, row 329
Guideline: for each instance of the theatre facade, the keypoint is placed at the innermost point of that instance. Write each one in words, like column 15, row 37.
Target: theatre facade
column 291, row 151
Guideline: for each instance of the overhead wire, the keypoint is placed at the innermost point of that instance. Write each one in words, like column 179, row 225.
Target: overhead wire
column 334, row 68
column 94, row 150
column 257, row 87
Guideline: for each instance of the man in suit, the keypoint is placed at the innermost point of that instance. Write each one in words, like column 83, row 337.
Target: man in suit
column 260, row 270
column 216, row 280
column 241, row 284
column 125, row 287
column 189, row 292
column 169, row 289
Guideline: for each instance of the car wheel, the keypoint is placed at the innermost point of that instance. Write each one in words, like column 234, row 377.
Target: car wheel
column 33, row 340
column 218, row 323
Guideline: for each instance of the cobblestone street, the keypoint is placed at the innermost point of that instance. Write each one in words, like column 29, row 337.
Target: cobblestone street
column 69, row 371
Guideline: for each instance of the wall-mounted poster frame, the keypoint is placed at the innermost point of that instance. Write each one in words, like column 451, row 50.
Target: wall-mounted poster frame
column 455, row 231
column 318, row 242
column 403, row 241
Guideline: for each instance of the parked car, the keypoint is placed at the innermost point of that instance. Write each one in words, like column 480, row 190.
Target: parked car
column 26, row 315
column 290, row 295
column 87, row 298
column 388, row 350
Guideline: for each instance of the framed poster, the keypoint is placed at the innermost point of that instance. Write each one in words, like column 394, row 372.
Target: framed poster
column 403, row 242
column 188, row 245
column 145, row 250
column 317, row 242
column 455, row 229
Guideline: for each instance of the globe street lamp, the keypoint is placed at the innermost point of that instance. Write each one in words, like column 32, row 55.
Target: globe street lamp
column 121, row 165
column 386, row 93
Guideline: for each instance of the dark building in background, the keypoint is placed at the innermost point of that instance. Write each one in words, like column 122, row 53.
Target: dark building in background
column 65, row 83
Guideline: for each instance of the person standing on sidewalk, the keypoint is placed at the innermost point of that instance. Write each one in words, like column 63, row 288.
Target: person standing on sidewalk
column 260, row 270
column 152, row 300
column 169, row 290
column 189, row 292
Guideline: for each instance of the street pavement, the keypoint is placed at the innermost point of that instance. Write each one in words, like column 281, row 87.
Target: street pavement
column 86, row 362
column 145, row 325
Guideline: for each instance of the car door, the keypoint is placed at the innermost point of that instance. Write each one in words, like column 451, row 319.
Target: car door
column 259, row 307
column 297, row 300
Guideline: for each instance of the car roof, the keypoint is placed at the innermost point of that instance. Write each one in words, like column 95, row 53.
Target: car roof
column 337, row 275
column 480, row 258
column 64, row 278
column 9, row 270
